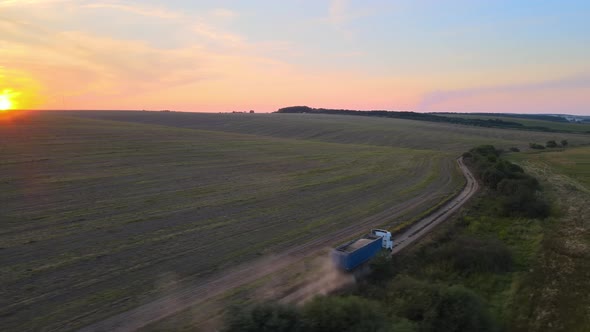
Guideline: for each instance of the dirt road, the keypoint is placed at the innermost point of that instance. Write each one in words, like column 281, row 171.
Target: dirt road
column 426, row 224
column 248, row 273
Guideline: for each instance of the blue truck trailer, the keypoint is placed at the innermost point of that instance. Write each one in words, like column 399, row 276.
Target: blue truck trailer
column 353, row 254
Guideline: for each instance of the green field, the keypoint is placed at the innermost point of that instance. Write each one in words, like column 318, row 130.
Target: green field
column 554, row 295
column 573, row 163
column 552, row 125
column 99, row 209
column 348, row 129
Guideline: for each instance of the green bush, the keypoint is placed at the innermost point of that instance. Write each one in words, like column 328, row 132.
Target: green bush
column 469, row 255
column 263, row 317
column 460, row 310
column 492, row 176
column 536, row 146
column 551, row 144
column 525, row 184
column 508, row 168
column 485, row 150
column 382, row 267
column 491, row 168
column 433, row 307
column 404, row 325
column 338, row 314
column 525, row 204
column 518, row 190
column 411, row 298
column 325, row 314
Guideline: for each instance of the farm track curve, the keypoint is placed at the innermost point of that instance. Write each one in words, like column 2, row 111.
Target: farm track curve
column 247, row 273
column 427, row 223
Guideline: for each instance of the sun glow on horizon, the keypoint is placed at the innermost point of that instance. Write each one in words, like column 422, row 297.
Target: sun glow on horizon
column 5, row 103
column 207, row 56
column 10, row 100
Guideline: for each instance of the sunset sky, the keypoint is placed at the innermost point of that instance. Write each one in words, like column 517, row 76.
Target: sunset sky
column 210, row 56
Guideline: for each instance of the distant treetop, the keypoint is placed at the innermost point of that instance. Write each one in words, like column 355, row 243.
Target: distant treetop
column 295, row 109
column 403, row 115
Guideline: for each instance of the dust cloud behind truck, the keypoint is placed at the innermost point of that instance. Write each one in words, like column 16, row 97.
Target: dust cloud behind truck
column 349, row 256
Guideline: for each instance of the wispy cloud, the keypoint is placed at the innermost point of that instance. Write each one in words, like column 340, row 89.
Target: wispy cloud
column 200, row 25
column 91, row 68
column 339, row 12
column 7, row 3
column 342, row 13
column 205, row 57
column 138, row 10
column 223, row 13
column 444, row 100
column 220, row 37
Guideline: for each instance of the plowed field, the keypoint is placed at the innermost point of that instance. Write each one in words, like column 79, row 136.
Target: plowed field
column 102, row 211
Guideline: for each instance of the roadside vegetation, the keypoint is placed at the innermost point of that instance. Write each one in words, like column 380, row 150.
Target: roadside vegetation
column 517, row 193
column 464, row 276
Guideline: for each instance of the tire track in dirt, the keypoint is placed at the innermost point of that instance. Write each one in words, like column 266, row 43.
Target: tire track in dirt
column 247, row 273
column 423, row 226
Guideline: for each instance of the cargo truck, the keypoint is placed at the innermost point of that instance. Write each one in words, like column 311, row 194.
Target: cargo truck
column 353, row 254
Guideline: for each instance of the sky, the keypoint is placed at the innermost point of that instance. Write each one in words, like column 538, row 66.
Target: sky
column 218, row 56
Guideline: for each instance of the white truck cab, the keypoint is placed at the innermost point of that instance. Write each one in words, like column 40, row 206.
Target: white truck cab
column 386, row 236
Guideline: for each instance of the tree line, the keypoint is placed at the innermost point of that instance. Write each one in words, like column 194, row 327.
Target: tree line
column 408, row 115
column 550, row 144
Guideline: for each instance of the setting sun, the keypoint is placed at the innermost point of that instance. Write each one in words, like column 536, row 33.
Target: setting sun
column 5, row 103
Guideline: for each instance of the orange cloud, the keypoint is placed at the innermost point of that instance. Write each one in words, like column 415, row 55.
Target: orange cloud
column 78, row 70
column 216, row 71
column 138, row 10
